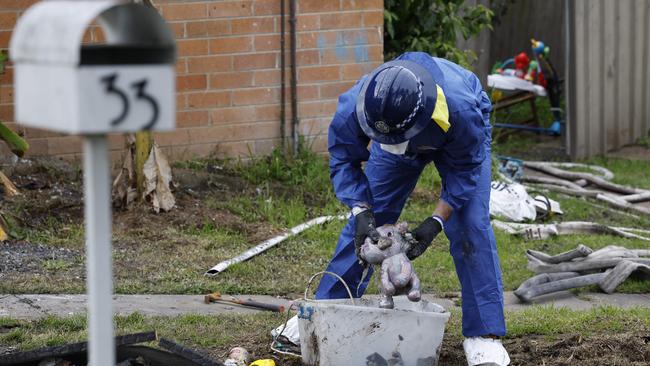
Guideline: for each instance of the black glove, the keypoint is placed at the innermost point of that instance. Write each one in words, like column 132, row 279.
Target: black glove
column 365, row 227
column 423, row 235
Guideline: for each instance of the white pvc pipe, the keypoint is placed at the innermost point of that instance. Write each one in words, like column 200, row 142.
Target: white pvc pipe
column 263, row 246
column 99, row 282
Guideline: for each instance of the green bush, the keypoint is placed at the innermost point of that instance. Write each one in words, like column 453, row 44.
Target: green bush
column 433, row 26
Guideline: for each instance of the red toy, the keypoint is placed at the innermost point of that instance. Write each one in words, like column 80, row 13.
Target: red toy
column 521, row 65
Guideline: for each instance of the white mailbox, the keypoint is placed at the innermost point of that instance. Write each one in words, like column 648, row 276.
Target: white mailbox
column 126, row 84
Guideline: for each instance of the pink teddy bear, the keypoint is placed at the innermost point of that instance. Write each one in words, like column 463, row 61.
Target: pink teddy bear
column 397, row 274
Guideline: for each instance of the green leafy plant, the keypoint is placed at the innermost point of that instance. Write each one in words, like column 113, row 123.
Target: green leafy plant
column 433, row 26
column 16, row 143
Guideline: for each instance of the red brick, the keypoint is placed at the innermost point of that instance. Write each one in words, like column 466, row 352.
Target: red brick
column 5, row 36
column 231, row 80
column 6, row 94
column 116, row 141
column 178, row 29
column 37, row 147
column 185, row 11
column 209, row 64
column 208, row 28
column 208, row 99
column 6, row 112
column 230, row 9
column 192, row 118
column 373, row 18
column 267, row 7
column 317, row 39
column 267, row 42
column 238, row 132
column 64, row 145
column 355, row 71
column 192, row 47
column 319, row 73
column 317, row 109
column 8, row 19
column 333, row 90
column 255, row 61
column 267, row 112
column 305, row 92
column 17, row 4
column 318, row 143
column 305, row 57
column 313, row 126
column 231, row 45
column 181, row 65
column 255, row 96
column 171, row 138
column 191, row 82
column 98, row 35
column 317, row 6
column 376, row 52
column 340, row 20
column 267, row 77
column 306, row 22
column 339, row 55
column 233, row 115
column 7, row 77
column 37, row 133
column 253, row 25
column 362, row 4
column 181, row 101
column 266, row 147
column 88, row 36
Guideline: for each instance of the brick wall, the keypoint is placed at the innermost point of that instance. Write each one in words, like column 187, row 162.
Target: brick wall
column 228, row 72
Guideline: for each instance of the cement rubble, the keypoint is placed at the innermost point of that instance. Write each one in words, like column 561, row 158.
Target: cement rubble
column 37, row 306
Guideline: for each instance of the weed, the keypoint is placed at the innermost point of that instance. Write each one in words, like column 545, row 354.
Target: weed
column 56, row 264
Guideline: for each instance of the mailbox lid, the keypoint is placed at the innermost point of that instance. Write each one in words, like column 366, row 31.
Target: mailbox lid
column 52, row 31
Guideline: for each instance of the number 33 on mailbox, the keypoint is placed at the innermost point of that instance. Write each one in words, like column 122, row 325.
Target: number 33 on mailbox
column 126, row 84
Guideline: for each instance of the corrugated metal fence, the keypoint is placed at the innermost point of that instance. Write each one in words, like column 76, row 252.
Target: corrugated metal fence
column 608, row 74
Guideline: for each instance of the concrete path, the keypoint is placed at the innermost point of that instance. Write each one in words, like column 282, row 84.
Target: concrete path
column 36, row 306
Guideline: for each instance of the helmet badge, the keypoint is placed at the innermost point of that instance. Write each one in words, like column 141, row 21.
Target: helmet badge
column 382, row 127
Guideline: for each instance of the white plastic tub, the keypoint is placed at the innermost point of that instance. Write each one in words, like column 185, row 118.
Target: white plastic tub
column 337, row 333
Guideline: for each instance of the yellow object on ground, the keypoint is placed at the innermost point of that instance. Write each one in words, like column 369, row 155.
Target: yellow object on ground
column 263, row 363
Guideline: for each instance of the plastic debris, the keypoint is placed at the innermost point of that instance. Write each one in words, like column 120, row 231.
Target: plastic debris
column 512, row 202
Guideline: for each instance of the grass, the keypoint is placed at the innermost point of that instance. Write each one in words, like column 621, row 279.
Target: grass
column 216, row 334
column 289, row 191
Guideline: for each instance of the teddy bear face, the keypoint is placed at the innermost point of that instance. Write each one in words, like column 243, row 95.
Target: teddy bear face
column 391, row 243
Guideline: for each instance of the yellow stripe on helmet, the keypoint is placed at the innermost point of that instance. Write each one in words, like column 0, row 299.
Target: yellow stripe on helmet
column 441, row 111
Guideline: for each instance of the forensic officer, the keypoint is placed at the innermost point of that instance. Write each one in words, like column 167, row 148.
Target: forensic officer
column 412, row 111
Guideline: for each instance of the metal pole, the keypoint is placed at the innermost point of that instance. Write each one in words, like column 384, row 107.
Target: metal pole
column 99, row 282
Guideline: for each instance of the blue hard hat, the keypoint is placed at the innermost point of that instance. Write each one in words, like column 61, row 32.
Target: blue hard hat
column 396, row 102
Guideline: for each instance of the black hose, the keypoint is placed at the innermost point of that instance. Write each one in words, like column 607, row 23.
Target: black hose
column 294, row 81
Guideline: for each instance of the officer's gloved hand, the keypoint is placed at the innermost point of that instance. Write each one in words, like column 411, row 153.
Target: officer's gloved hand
column 424, row 235
column 365, row 228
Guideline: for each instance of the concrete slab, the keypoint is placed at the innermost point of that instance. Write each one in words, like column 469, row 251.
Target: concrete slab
column 37, row 306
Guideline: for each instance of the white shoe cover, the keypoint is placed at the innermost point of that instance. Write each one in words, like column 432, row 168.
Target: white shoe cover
column 481, row 351
column 291, row 331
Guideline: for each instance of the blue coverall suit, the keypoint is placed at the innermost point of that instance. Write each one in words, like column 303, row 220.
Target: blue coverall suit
column 462, row 157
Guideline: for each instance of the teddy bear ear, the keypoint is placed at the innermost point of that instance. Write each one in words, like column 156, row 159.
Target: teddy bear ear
column 402, row 227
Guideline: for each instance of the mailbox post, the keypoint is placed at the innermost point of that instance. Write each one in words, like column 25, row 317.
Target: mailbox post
column 126, row 84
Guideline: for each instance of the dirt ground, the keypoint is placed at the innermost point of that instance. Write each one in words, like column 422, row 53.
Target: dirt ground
column 52, row 198
column 624, row 349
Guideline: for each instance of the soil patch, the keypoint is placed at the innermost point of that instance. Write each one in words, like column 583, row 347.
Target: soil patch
column 630, row 349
